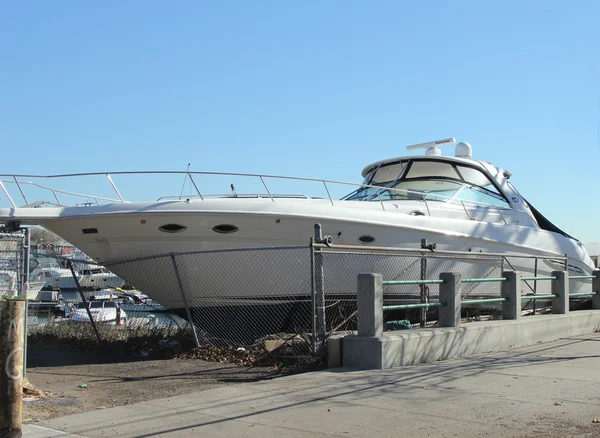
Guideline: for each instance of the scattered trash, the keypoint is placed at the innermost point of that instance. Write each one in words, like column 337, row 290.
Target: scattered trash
column 82, row 385
column 36, row 393
column 402, row 324
column 596, row 420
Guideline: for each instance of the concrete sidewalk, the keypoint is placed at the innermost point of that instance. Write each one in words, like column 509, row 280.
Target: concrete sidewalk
column 548, row 390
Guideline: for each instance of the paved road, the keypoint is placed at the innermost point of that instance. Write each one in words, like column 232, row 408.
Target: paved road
column 547, row 390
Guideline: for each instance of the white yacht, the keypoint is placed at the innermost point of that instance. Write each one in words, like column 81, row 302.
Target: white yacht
column 459, row 203
column 53, row 275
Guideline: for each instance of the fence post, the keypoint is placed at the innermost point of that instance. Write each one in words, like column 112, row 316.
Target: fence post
column 370, row 305
column 560, row 290
column 423, row 288
column 511, row 291
column 11, row 367
column 596, row 289
column 450, row 297
column 185, row 301
column 85, row 303
column 319, row 290
column 26, row 257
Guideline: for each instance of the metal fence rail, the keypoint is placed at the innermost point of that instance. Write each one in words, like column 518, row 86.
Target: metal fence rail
column 411, row 290
column 371, row 290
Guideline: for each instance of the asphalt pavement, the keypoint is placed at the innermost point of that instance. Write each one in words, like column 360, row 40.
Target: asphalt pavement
column 545, row 390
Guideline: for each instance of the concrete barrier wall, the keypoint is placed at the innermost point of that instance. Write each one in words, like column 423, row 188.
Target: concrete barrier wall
column 429, row 345
column 372, row 348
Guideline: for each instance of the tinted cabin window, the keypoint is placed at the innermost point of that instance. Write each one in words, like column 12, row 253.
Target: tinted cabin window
column 475, row 177
column 429, row 169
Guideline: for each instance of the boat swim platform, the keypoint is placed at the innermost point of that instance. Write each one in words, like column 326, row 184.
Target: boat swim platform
column 372, row 348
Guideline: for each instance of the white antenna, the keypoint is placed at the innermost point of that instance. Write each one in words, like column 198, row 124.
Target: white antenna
column 432, row 146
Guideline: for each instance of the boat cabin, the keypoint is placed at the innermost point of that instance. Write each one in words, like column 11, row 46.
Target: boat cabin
column 475, row 188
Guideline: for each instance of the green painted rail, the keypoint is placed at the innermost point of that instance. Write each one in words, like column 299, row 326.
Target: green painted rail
column 484, row 300
column 538, row 278
column 411, row 282
column 538, row 297
column 582, row 294
column 582, row 277
column 15, row 298
column 413, row 306
column 483, row 280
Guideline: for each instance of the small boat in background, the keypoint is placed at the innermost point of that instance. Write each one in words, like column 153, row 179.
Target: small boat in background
column 49, row 271
column 102, row 311
column 128, row 300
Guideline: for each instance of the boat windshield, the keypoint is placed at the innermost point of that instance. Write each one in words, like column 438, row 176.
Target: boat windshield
column 431, row 181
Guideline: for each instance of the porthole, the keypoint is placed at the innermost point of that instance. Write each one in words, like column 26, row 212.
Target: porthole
column 172, row 228
column 366, row 239
column 225, row 229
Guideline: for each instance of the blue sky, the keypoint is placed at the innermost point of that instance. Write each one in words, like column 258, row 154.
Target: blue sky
column 306, row 89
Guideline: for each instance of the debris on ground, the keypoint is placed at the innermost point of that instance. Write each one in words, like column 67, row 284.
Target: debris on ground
column 36, row 393
column 30, row 390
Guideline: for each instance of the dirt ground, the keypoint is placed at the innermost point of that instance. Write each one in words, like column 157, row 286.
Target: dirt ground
column 117, row 380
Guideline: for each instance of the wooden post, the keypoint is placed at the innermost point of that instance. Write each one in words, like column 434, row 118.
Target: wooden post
column 12, row 312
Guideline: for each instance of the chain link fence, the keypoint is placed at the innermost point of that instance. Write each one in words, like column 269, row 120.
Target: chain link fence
column 342, row 266
column 11, row 263
column 249, row 300
column 281, row 301
column 81, row 301
column 243, row 299
column 284, row 300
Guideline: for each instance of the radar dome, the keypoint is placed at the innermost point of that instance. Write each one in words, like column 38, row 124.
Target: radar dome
column 433, row 152
column 463, row 150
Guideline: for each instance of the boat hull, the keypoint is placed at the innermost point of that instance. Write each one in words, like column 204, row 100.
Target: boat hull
column 117, row 237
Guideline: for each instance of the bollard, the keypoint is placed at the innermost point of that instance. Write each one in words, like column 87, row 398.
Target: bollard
column 450, row 295
column 596, row 289
column 11, row 367
column 370, row 305
column 511, row 291
column 560, row 290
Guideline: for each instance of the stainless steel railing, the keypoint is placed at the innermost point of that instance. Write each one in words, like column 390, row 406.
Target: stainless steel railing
column 17, row 180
